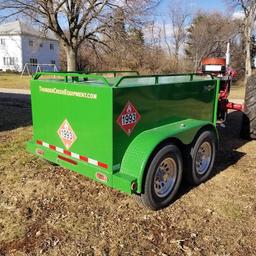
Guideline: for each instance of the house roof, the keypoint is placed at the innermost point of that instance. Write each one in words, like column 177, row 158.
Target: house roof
column 20, row 28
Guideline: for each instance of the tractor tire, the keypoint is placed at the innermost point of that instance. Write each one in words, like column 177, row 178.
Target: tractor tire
column 248, row 130
column 163, row 178
column 200, row 158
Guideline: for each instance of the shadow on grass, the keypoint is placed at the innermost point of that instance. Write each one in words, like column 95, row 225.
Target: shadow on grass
column 15, row 111
column 228, row 153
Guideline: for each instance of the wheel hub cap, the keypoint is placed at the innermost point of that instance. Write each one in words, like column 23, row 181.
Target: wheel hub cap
column 203, row 158
column 165, row 177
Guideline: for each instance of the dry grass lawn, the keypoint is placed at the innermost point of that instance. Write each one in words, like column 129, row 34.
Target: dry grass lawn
column 46, row 210
column 14, row 81
column 237, row 91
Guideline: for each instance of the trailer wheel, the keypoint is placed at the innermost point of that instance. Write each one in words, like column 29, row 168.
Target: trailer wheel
column 163, row 178
column 200, row 158
column 248, row 130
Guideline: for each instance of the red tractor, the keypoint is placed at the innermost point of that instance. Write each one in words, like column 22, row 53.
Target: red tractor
column 219, row 68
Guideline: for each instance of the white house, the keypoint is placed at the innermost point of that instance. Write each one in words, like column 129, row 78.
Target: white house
column 21, row 44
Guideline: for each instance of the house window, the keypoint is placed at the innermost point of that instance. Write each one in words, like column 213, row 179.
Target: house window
column 53, row 62
column 2, row 41
column 9, row 61
column 33, row 61
column 52, row 46
column 31, row 43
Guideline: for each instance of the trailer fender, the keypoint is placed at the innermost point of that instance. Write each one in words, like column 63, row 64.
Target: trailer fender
column 139, row 151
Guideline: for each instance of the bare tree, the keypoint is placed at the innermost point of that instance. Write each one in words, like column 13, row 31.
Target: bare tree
column 208, row 35
column 179, row 17
column 249, row 117
column 249, row 9
column 72, row 21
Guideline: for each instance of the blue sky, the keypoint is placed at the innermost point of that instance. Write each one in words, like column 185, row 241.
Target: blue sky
column 211, row 5
column 206, row 5
column 193, row 6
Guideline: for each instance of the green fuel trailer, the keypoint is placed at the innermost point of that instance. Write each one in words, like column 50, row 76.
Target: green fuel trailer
column 137, row 134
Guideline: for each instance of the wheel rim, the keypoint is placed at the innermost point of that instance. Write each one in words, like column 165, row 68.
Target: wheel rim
column 165, row 177
column 203, row 158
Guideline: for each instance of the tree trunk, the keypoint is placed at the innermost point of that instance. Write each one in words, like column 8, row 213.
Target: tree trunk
column 247, row 37
column 248, row 130
column 71, row 59
column 176, row 56
column 248, row 65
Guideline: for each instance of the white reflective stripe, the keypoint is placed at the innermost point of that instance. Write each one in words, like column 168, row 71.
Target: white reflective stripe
column 59, row 150
column 45, row 144
column 75, row 155
column 91, row 161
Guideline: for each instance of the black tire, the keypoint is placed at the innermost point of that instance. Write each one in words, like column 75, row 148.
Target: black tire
column 248, row 130
column 168, row 156
column 198, row 170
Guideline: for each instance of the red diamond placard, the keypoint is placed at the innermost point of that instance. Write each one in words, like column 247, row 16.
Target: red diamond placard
column 67, row 134
column 128, row 118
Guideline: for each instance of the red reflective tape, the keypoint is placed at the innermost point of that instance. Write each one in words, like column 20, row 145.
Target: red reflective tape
column 39, row 151
column 66, row 152
column 105, row 166
column 39, row 142
column 52, row 147
column 83, row 158
column 67, row 160
column 101, row 177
